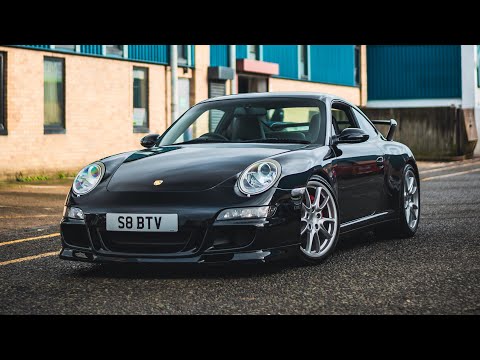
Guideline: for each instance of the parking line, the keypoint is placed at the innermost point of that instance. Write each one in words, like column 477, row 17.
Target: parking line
column 29, row 239
column 26, row 216
column 449, row 175
column 28, row 258
column 471, row 163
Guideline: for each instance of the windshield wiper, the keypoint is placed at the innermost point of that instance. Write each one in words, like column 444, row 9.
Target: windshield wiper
column 276, row 140
column 202, row 140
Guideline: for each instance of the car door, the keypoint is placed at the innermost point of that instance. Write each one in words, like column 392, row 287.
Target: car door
column 358, row 169
column 375, row 137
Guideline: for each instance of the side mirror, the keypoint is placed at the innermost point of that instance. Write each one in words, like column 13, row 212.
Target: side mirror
column 149, row 140
column 351, row 136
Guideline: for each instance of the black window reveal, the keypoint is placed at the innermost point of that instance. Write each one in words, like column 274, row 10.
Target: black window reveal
column 140, row 99
column 54, row 95
column 3, row 110
column 114, row 50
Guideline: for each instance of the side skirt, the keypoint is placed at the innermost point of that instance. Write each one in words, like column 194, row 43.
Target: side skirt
column 368, row 221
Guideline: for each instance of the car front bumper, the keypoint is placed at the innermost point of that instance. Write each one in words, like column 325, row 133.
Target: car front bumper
column 200, row 239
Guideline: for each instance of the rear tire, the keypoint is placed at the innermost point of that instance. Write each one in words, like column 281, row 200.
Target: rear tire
column 409, row 208
column 319, row 223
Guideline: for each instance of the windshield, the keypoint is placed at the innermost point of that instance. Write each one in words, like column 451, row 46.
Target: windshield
column 287, row 120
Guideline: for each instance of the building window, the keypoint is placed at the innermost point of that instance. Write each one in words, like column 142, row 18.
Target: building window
column 140, row 99
column 64, row 47
column 183, row 55
column 358, row 70
column 54, row 95
column 115, row 50
column 253, row 52
column 3, row 110
column 303, row 62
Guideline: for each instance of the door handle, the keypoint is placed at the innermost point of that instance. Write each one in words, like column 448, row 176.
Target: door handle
column 380, row 161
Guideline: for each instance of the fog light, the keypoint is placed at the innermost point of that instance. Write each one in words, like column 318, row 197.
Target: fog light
column 244, row 213
column 74, row 213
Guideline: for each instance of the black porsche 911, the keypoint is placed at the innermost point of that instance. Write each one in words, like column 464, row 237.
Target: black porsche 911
column 247, row 178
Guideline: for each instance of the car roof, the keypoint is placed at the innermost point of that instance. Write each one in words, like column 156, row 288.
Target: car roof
column 287, row 94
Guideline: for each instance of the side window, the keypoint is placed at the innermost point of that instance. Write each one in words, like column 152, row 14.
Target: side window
column 365, row 124
column 341, row 120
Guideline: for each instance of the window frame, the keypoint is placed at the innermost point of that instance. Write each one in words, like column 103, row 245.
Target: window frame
column 301, row 68
column 142, row 129
column 188, row 49
column 3, row 93
column 123, row 56
column 75, row 50
column 357, row 65
column 56, row 129
column 258, row 52
column 347, row 108
column 366, row 119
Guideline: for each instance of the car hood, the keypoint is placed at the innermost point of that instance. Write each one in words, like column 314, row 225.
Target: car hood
column 193, row 167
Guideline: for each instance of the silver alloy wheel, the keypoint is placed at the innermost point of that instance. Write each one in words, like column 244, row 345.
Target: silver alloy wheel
column 319, row 221
column 410, row 197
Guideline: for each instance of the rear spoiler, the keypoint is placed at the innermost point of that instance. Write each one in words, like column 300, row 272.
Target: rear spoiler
column 392, row 123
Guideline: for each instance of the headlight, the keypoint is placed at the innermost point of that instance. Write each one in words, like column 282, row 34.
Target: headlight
column 259, row 177
column 88, row 178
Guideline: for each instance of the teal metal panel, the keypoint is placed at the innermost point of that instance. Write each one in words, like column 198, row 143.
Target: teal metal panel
column 286, row 56
column 334, row 64
column 414, row 72
column 241, row 51
column 91, row 49
column 158, row 54
column 37, row 46
column 219, row 55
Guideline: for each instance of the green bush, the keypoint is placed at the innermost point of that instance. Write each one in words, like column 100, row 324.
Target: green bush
column 20, row 178
column 65, row 175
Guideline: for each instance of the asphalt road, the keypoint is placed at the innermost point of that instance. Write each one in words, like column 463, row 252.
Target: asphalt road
column 435, row 272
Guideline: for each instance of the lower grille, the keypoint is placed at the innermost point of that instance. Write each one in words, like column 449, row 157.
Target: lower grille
column 75, row 235
column 150, row 243
column 230, row 237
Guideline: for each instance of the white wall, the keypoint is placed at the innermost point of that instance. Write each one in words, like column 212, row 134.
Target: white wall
column 470, row 90
column 413, row 103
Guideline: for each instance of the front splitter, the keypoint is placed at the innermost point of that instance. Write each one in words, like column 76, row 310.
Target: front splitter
column 258, row 256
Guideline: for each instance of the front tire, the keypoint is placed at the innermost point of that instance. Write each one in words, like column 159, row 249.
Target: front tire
column 319, row 222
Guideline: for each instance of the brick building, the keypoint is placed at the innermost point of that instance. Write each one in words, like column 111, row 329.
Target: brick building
column 63, row 106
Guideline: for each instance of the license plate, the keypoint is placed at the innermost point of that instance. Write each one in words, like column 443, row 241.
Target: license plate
column 142, row 222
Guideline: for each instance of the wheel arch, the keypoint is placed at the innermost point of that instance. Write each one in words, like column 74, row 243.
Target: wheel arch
column 413, row 163
column 322, row 173
column 326, row 174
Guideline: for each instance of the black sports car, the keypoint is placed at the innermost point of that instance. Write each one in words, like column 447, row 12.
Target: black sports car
column 252, row 177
